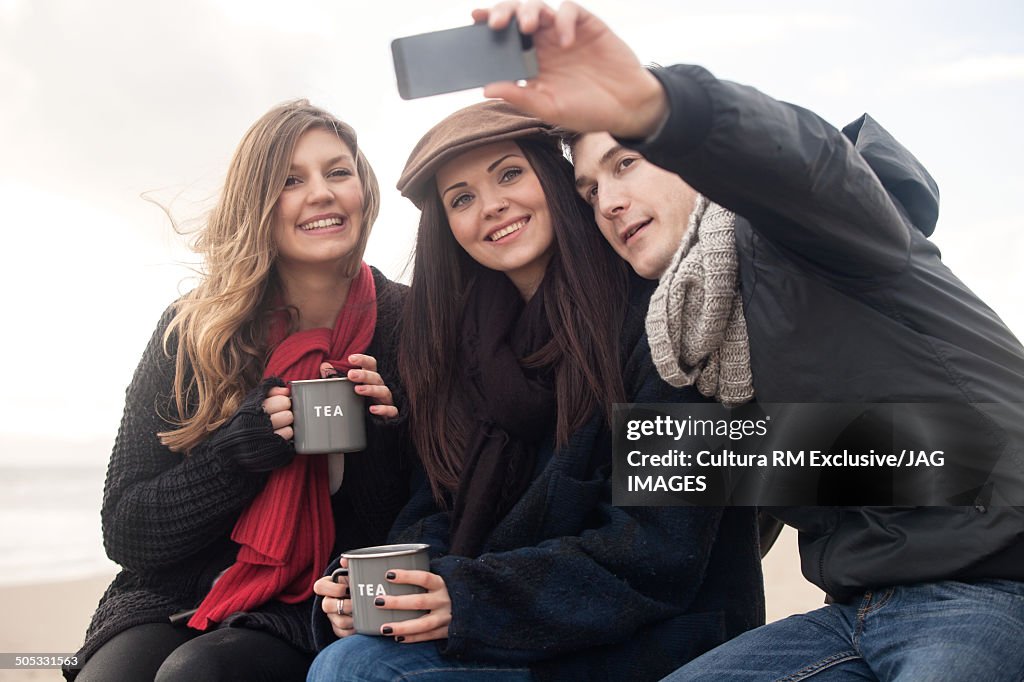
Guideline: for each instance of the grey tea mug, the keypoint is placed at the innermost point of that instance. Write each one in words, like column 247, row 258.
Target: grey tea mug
column 366, row 582
column 328, row 416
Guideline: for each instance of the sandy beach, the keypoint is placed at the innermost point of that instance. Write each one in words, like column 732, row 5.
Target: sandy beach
column 51, row 618
column 786, row 591
column 47, row 619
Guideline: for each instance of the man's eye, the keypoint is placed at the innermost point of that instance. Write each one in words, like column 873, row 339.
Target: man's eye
column 626, row 162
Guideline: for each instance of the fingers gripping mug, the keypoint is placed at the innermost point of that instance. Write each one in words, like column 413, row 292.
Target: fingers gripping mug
column 366, row 570
column 328, row 416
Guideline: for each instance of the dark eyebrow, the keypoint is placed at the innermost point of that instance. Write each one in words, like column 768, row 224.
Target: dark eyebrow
column 612, row 151
column 496, row 163
column 457, row 184
column 489, row 169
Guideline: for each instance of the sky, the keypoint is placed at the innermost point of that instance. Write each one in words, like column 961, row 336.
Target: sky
column 118, row 116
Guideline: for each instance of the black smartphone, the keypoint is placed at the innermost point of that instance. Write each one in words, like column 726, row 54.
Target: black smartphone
column 461, row 58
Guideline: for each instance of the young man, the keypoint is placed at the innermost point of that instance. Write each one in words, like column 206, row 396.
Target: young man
column 794, row 263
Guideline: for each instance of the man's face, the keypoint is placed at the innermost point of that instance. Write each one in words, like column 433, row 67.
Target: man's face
column 642, row 209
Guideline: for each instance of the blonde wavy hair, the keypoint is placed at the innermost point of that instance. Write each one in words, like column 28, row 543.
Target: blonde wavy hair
column 220, row 326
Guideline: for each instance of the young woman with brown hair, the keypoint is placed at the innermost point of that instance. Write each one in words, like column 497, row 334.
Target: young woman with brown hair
column 522, row 330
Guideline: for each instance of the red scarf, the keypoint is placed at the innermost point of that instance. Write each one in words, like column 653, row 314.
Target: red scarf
column 287, row 531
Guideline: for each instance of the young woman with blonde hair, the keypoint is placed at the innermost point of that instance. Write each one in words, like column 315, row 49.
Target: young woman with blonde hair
column 219, row 527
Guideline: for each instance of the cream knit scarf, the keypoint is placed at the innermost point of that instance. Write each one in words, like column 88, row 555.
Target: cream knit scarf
column 695, row 321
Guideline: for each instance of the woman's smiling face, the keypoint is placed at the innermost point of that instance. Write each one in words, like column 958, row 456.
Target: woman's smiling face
column 319, row 215
column 498, row 212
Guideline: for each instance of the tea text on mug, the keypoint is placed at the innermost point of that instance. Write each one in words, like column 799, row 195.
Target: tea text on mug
column 371, row 590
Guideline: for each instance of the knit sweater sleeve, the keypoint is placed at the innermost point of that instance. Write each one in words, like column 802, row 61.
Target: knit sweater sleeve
column 159, row 506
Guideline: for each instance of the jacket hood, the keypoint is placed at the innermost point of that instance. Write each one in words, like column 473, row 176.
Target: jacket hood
column 899, row 171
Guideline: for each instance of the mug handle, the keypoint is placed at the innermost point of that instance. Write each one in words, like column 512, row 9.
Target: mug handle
column 337, row 573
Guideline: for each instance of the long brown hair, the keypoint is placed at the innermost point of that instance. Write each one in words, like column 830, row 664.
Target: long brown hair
column 584, row 299
column 220, row 326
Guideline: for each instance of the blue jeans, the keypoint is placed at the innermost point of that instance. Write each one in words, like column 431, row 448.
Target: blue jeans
column 360, row 658
column 940, row 632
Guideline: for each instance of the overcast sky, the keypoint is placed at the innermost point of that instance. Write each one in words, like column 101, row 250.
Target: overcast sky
column 109, row 101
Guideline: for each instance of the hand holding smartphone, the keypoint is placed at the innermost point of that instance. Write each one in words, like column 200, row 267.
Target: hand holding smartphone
column 461, row 58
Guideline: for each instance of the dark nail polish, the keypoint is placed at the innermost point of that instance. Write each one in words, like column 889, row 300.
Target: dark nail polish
column 386, row 630
column 400, row 638
column 390, row 575
column 379, row 601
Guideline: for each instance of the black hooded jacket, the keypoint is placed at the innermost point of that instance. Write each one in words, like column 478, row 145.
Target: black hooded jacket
column 847, row 301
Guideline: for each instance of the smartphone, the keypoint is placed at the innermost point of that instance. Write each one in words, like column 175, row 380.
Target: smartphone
column 461, row 58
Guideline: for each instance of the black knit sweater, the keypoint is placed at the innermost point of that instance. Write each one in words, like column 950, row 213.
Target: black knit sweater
column 167, row 518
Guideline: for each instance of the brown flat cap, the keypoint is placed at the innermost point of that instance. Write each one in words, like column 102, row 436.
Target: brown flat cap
column 476, row 125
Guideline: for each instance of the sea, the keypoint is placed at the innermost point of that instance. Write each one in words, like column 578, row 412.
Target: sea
column 50, row 496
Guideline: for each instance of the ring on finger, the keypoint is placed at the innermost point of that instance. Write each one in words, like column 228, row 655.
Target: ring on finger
column 341, row 609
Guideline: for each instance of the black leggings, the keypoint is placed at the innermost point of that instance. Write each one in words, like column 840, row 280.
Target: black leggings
column 160, row 652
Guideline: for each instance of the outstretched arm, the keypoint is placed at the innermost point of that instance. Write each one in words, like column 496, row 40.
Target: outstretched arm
column 795, row 177
column 589, row 79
